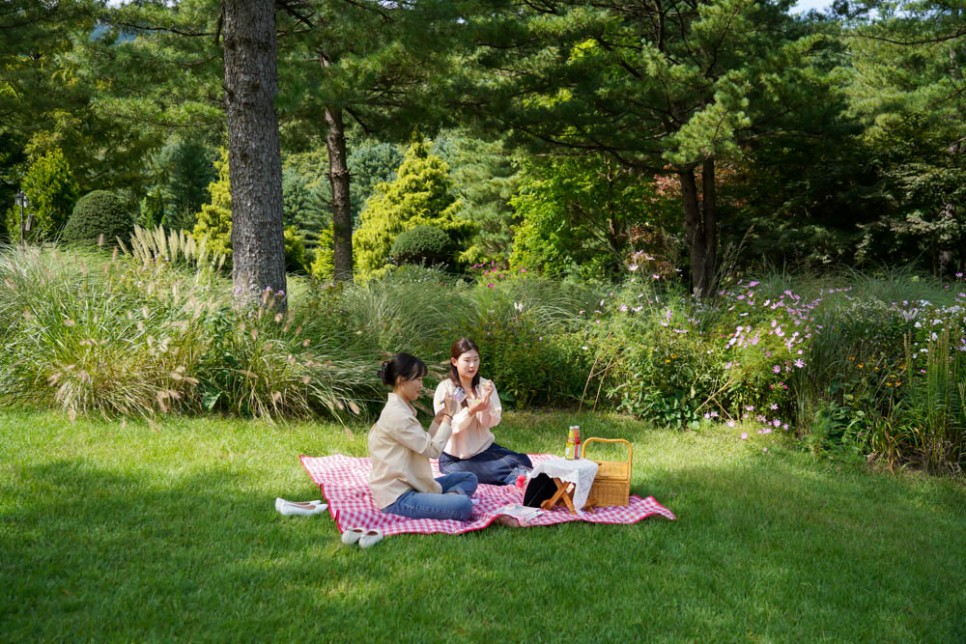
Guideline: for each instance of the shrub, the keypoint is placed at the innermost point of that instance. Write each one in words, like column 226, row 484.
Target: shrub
column 529, row 335
column 424, row 245
column 295, row 260
column 99, row 217
column 51, row 190
column 653, row 359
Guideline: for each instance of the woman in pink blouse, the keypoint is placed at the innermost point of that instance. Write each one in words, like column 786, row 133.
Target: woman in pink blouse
column 472, row 446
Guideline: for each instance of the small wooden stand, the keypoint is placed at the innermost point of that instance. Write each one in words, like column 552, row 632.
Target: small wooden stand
column 562, row 495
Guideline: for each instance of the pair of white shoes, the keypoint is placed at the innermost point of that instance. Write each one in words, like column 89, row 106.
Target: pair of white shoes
column 365, row 537
column 300, row 508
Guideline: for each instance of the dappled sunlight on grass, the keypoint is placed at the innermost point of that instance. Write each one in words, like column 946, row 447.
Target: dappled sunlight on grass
column 168, row 532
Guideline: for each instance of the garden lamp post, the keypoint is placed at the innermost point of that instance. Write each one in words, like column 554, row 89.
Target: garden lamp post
column 23, row 202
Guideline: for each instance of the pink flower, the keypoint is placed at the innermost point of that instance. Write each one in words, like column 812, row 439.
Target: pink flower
column 744, row 436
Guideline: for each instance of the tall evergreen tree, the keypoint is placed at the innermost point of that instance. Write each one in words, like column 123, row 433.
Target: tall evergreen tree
column 668, row 87
column 908, row 91
column 213, row 225
column 254, row 155
column 365, row 62
column 421, row 195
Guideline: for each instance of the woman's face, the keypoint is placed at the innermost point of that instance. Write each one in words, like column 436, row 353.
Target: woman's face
column 467, row 364
column 409, row 390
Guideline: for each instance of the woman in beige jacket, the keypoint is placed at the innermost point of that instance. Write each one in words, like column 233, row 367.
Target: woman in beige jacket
column 401, row 479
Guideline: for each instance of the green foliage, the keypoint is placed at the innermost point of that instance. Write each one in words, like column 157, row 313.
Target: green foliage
column 323, row 265
column 654, row 358
column 295, row 259
column 214, row 220
column 99, row 217
column 580, row 216
column 423, row 245
column 529, row 333
column 305, row 196
column 908, row 64
column 260, row 364
column 76, row 341
column 421, row 194
column 371, row 163
column 52, row 192
column 181, row 171
column 485, row 175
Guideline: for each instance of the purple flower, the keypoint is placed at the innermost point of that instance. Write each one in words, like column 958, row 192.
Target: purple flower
column 776, row 369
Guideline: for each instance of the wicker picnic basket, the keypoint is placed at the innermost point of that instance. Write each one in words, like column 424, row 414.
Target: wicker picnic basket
column 612, row 485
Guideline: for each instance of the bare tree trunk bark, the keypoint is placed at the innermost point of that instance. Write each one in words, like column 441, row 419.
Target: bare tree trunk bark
column 254, row 155
column 709, row 204
column 341, row 208
column 700, row 227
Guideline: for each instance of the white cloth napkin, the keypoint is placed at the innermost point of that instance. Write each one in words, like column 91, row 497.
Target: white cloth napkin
column 580, row 472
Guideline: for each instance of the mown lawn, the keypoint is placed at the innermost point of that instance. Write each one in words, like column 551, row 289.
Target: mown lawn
column 124, row 531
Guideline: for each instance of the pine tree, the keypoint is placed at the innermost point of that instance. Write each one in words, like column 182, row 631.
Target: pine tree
column 214, row 220
column 421, row 194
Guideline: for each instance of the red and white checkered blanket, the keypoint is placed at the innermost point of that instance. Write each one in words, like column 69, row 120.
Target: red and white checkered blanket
column 344, row 482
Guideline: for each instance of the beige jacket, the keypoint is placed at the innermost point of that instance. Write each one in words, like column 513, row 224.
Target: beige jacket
column 471, row 432
column 399, row 451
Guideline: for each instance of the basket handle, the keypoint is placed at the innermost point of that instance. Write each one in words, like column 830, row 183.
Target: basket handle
column 630, row 448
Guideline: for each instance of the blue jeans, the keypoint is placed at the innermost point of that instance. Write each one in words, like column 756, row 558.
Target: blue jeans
column 453, row 503
column 495, row 465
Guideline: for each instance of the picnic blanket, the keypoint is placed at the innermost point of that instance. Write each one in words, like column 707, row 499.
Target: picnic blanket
column 344, row 482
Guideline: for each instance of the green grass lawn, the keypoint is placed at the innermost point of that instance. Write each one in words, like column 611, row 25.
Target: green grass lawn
column 125, row 531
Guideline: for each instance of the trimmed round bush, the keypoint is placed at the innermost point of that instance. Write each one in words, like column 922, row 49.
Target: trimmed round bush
column 96, row 214
column 425, row 245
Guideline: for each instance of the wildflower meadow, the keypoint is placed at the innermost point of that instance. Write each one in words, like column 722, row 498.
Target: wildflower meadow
column 868, row 366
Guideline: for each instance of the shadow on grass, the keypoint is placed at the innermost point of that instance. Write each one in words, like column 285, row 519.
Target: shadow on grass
column 763, row 549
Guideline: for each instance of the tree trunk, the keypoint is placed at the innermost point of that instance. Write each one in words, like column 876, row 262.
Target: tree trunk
column 700, row 227
column 254, row 156
column 709, row 203
column 341, row 210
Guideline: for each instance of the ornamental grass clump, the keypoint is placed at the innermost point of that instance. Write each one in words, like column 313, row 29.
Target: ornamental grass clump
column 74, row 342
column 935, row 395
column 529, row 333
column 262, row 363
